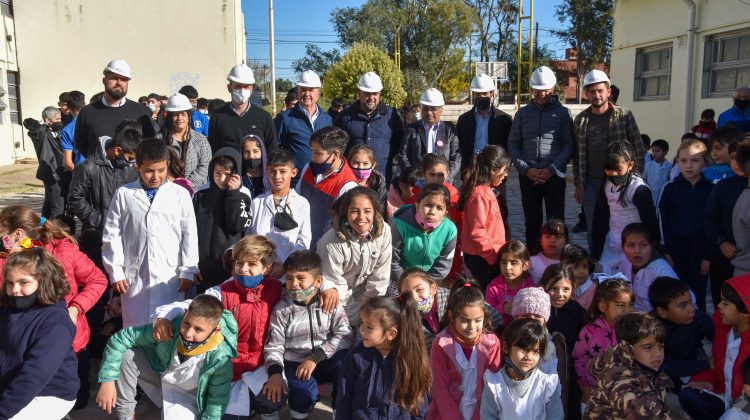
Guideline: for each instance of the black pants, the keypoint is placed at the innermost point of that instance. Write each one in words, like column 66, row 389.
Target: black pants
column 552, row 193
column 481, row 270
column 701, row 405
column 54, row 200
column 721, row 271
column 687, row 255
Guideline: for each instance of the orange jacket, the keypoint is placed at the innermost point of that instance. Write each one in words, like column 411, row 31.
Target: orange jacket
column 482, row 230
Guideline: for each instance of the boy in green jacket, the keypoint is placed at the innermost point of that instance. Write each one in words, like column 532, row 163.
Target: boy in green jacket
column 189, row 376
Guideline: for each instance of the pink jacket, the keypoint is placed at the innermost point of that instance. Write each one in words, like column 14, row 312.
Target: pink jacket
column 594, row 338
column 446, row 376
column 498, row 294
column 483, row 231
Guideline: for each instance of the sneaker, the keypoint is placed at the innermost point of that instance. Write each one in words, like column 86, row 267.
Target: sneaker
column 580, row 227
column 272, row 416
column 296, row 415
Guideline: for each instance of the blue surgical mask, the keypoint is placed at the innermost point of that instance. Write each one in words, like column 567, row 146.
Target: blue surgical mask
column 122, row 163
column 249, row 282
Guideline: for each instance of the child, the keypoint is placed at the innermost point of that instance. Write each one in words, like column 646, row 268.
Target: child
column 402, row 190
column 326, row 178
column 706, row 125
column 583, row 273
column 150, row 238
column 685, row 327
column 188, row 375
column 37, row 363
column 567, row 316
column 719, row 143
column 613, row 298
column 675, row 167
column 483, row 233
column 422, row 236
column 460, row 355
column 356, row 251
column 222, row 212
column 363, row 163
column 629, row 381
column 717, row 219
column 642, row 264
column 254, row 167
column 646, row 140
column 624, row 199
column 387, row 375
column 534, row 303
column 96, row 179
column 553, row 240
column 281, row 214
column 682, row 204
column 176, row 172
column 741, row 213
column 741, row 407
column 657, row 169
column 304, row 343
column 514, row 276
column 709, row 393
column 520, row 390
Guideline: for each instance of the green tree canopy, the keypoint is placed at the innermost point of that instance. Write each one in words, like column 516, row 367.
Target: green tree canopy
column 316, row 60
column 283, row 85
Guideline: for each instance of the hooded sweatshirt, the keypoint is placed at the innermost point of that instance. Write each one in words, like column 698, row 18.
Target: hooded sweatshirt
column 222, row 216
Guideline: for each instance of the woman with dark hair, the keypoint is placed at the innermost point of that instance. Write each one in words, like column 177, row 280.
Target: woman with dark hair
column 191, row 146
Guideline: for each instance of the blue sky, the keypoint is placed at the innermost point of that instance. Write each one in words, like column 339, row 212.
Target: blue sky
column 296, row 23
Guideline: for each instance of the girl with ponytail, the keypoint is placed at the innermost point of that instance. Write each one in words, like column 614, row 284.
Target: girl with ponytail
column 388, row 374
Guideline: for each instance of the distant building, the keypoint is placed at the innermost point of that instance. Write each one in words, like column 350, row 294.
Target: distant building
column 652, row 60
column 567, row 74
column 56, row 46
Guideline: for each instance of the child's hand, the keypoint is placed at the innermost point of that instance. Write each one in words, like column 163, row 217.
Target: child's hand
column 329, row 300
column 120, row 286
column 305, row 369
column 234, row 183
column 705, row 267
column 162, row 330
column 275, row 388
column 185, row 285
column 728, row 249
column 702, row 385
column 107, row 396
column 73, row 313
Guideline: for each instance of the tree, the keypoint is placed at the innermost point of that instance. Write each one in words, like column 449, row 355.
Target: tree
column 495, row 28
column 342, row 77
column 283, row 85
column 316, row 60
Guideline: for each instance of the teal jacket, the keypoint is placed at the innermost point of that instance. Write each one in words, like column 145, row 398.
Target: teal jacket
column 215, row 381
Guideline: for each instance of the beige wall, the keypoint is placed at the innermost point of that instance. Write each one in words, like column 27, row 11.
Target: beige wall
column 64, row 45
column 9, row 133
column 644, row 23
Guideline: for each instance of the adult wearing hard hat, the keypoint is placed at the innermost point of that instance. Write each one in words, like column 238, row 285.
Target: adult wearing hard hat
column 369, row 121
column 541, row 144
column 233, row 121
column 431, row 135
column 97, row 121
column 191, row 146
column 596, row 127
column 483, row 124
column 295, row 126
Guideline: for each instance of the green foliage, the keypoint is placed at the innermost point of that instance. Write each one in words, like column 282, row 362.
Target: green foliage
column 589, row 28
column 283, row 85
column 342, row 77
column 316, row 60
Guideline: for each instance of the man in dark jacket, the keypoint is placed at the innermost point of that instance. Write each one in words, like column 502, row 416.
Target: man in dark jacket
column 45, row 137
column 483, row 124
column 369, row 121
column 541, row 144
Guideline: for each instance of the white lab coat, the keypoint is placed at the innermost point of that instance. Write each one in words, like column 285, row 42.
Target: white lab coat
column 297, row 239
column 152, row 245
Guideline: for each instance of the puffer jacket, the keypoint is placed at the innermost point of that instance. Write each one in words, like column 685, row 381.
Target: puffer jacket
column 94, row 184
column 360, row 269
column 593, row 340
column 542, row 137
column 626, row 390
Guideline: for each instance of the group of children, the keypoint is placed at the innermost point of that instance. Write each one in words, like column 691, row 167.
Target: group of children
column 410, row 299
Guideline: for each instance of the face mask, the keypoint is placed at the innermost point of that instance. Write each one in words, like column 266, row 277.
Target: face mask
column 618, row 180
column 302, row 295
column 188, row 345
column 418, row 116
column 424, row 223
column 203, row 111
column 24, row 302
column 425, row 305
column 122, row 163
column 252, row 163
column 151, row 107
column 57, row 126
column 284, row 221
column 240, row 96
column 482, row 103
column 362, row 174
column 320, row 168
column 742, row 103
column 522, row 375
column 249, row 282
column 9, row 242
column 193, row 107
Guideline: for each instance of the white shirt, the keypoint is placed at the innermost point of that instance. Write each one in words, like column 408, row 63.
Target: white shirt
column 539, row 263
column 113, row 104
column 656, row 175
column 264, row 209
column 733, row 350
column 431, row 132
column 468, row 380
column 643, row 279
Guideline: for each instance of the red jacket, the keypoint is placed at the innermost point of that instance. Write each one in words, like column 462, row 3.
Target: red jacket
column 716, row 376
column 87, row 284
column 483, row 230
column 252, row 310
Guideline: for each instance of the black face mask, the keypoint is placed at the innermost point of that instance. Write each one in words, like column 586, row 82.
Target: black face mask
column 252, row 163
column 57, row 126
column 618, row 180
column 283, row 221
column 482, row 103
column 742, row 103
column 24, row 302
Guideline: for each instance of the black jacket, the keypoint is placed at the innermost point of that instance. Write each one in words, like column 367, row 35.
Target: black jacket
column 414, row 147
column 683, row 346
column 48, row 151
column 717, row 216
column 94, row 184
column 498, row 131
column 568, row 321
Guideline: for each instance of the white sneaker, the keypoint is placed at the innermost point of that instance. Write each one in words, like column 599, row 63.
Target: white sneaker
column 297, row 415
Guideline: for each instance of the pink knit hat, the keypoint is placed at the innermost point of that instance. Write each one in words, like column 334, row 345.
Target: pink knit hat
column 532, row 300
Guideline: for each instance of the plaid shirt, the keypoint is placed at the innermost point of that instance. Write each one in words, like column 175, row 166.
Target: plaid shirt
column 622, row 126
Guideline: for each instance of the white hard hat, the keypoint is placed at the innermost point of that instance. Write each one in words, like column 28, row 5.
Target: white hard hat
column 543, row 78
column 432, row 97
column 370, row 82
column 178, row 102
column 482, row 83
column 309, row 79
column 241, row 73
column 594, row 77
column 118, row 67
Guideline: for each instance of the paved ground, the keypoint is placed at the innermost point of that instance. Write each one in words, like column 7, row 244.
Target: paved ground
column 19, row 186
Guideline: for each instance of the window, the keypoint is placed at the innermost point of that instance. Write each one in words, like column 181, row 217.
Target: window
column 13, row 102
column 726, row 63
column 5, row 8
column 653, row 73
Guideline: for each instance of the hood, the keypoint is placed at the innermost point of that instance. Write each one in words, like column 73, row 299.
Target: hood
column 229, row 152
column 229, row 330
column 343, row 234
column 264, row 160
column 620, row 355
column 742, row 285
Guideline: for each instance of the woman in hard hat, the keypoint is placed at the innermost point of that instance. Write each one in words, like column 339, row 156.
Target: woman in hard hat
column 191, row 146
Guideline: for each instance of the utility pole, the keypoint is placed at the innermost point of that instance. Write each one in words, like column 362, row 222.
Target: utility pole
column 530, row 62
column 397, row 48
column 272, row 59
column 471, row 99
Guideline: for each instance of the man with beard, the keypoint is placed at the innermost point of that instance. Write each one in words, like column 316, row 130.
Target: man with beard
column 97, row 121
column 371, row 122
column 739, row 114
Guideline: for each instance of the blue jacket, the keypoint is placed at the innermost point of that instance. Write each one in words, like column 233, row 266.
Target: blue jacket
column 365, row 385
column 541, row 137
column 682, row 346
column 736, row 117
column 382, row 132
column 200, row 122
column 36, row 356
column 681, row 209
column 717, row 220
column 293, row 129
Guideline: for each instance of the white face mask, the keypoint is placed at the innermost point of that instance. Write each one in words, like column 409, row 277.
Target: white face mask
column 240, row 96
column 152, row 107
